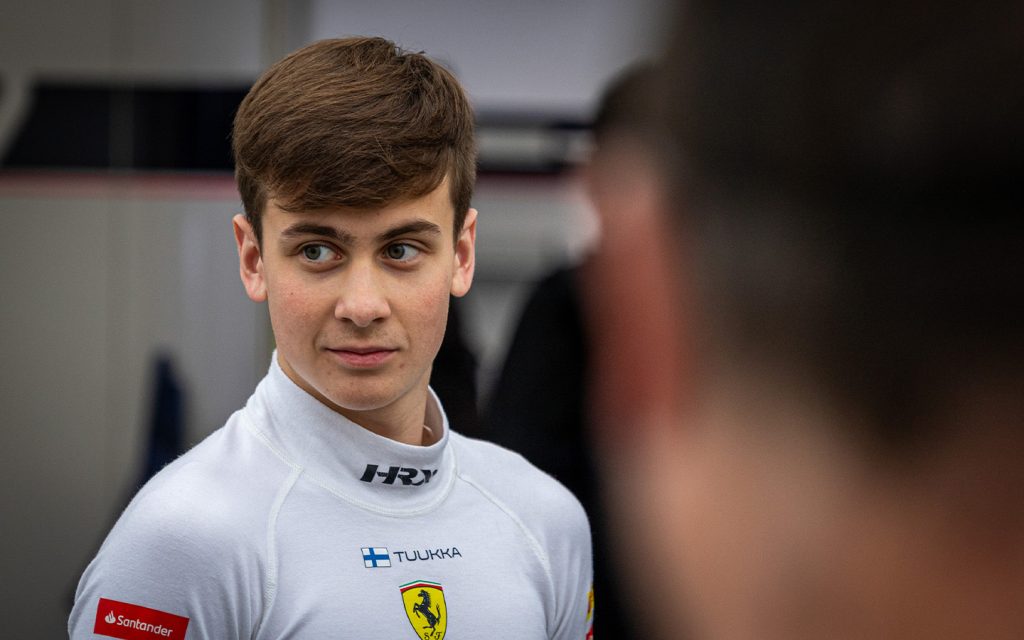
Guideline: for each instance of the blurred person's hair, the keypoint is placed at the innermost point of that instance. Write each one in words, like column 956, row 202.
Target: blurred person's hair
column 853, row 173
column 629, row 105
column 353, row 122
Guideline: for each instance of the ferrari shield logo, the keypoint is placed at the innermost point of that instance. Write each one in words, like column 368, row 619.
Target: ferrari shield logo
column 425, row 608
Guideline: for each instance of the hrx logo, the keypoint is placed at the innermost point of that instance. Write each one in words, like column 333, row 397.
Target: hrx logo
column 131, row 622
column 406, row 475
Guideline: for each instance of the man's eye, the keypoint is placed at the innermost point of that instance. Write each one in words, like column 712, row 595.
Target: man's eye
column 401, row 252
column 317, row 253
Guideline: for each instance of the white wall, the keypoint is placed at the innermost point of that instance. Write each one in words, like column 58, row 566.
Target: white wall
column 533, row 55
column 152, row 39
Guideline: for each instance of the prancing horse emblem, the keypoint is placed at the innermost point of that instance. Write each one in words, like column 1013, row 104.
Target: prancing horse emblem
column 425, row 608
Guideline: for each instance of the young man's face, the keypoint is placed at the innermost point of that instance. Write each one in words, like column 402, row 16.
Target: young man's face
column 358, row 301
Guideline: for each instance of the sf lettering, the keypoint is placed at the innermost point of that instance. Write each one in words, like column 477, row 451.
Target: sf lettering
column 406, row 475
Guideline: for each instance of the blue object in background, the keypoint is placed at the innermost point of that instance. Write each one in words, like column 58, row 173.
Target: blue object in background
column 166, row 419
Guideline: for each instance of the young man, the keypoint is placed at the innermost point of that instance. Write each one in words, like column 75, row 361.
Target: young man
column 338, row 503
column 844, row 457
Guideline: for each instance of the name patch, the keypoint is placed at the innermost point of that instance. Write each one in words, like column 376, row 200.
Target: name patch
column 428, row 554
column 378, row 557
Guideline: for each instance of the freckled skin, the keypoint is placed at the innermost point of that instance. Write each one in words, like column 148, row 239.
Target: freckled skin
column 353, row 288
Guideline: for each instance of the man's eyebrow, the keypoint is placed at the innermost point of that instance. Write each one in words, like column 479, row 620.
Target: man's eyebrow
column 308, row 229
column 415, row 226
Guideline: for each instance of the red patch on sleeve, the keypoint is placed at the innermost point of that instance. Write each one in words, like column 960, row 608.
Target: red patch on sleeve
column 131, row 622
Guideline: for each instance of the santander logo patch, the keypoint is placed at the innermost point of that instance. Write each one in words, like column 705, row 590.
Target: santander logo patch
column 132, row 622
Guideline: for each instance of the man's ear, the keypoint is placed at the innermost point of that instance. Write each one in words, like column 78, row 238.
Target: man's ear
column 465, row 256
column 250, row 259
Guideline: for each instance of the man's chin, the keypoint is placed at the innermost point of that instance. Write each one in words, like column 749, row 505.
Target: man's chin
column 345, row 403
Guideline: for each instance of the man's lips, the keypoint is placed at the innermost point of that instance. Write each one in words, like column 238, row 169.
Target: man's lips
column 363, row 357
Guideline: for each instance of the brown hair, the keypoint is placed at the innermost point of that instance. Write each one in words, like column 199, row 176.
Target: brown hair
column 353, row 122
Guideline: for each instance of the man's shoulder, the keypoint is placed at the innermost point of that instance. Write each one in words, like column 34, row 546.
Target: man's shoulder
column 211, row 492
column 193, row 541
column 476, row 455
column 530, row 495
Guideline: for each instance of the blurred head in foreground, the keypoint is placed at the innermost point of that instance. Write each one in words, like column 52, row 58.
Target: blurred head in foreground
column 844, row 198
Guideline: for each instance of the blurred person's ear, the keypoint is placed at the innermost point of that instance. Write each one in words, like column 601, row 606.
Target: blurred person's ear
column 633, row 294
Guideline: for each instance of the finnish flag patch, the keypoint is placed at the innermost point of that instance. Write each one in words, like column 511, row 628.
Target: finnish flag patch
column 376, row 557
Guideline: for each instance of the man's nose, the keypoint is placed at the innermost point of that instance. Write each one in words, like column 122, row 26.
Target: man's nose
column 362, row 300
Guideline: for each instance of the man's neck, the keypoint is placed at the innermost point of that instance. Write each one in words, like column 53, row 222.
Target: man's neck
column 405, row 421
column 412, row 418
